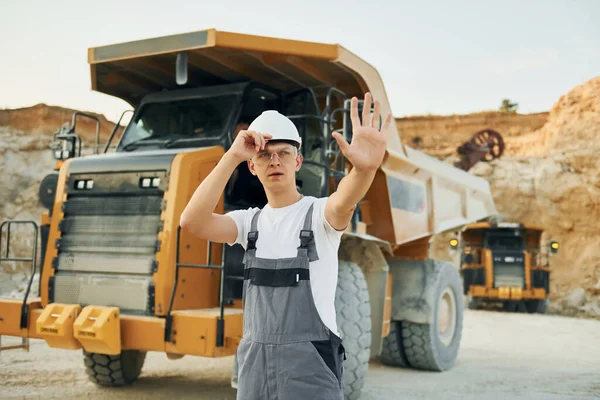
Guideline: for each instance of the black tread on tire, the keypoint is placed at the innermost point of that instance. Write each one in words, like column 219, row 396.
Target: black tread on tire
column 114, row 370
column 392, row 351
column 353, row 314
column 422, row 345
column 537, row 306
column 516, row 306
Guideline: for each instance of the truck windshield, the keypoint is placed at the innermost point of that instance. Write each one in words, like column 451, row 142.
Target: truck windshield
column 182, row 123
column 505, row 242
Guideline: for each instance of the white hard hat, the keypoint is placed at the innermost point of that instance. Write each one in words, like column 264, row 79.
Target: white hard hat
column 277, row 125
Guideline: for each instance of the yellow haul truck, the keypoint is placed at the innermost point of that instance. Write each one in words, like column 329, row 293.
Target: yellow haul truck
column 505, row 262
column 119, row 278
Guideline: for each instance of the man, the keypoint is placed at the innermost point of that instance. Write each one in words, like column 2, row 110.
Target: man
column 291, row 347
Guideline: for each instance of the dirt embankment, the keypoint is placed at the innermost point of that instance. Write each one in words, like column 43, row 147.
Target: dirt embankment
column 441, row 135
column 42, row 120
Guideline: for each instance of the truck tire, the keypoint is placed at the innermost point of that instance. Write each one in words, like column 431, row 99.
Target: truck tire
column 434, row 347
column 118, row 370
column 473, row 303
column 392, row 352
column 516, row 306
column 537, row 306
column 353, row 314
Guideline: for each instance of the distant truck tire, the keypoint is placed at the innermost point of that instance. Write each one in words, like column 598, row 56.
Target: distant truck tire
column 516, row 306
column 473, row 303
column 434, row 347
column 114, row 370
column 392, row 352
column 353, row 314
column 537, row 306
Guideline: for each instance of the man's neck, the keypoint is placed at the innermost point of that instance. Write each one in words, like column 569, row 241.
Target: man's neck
column 283, row 199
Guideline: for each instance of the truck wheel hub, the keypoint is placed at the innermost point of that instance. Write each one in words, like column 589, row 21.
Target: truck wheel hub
column 447, row 316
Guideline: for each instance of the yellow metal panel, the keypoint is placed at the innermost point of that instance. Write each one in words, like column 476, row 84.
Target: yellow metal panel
column 387, row 310
column 478, row 225
column 98, row 329
column 54, row 232
column 527, row 270
column 382, row 225
column 265, row 44
column 489, row 268
column 516, row 293
column 197, row 288
column 538, row 293
column 55, row 325
column 10, row 317
column 477, row 291
column 504, row 293
column 45, row 218
column 195, row 332
column 142, row 333
column 191, row 41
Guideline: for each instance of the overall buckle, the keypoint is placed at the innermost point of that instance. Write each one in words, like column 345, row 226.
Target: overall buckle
column 252, row 238
column 305, row 238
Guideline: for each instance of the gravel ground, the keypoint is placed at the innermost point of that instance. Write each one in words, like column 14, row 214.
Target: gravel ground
column 502, row 356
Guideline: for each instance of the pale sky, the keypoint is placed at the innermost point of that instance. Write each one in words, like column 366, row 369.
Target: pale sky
column 439, row 57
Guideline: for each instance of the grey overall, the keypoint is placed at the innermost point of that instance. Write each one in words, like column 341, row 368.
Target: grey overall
column 286, row 352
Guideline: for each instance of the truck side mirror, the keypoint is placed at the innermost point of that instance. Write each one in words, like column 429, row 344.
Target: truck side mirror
column 554, row 247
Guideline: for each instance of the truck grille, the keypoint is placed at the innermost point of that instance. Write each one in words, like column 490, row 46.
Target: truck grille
column 109, row 237
column 509, row 269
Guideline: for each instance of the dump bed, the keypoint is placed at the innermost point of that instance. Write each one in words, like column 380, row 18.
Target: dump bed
column 415, row 196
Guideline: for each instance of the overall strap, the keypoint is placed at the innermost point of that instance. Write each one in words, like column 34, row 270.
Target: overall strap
column 307, row 237
column 253, row 234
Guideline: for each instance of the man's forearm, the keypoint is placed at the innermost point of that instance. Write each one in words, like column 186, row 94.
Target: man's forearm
column 205, row 198
column 341, row 204
column 352, row 189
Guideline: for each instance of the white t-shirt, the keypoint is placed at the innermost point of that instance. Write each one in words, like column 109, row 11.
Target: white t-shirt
column 279, row 230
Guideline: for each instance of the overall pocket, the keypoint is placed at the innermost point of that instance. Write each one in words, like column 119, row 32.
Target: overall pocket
column 333, row 354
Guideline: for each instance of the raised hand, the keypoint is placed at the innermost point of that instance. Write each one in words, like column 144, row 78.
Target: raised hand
column 367, row 148
column 248, row 143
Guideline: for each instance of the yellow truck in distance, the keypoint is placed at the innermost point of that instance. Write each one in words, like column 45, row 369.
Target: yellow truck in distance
column 119, row 278
column 505, row 262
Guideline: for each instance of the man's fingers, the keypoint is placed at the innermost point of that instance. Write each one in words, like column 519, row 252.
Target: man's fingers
column 255, row 140
column 366, row 114
column 375, row 122
column 354, row 113
column 341, row 141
